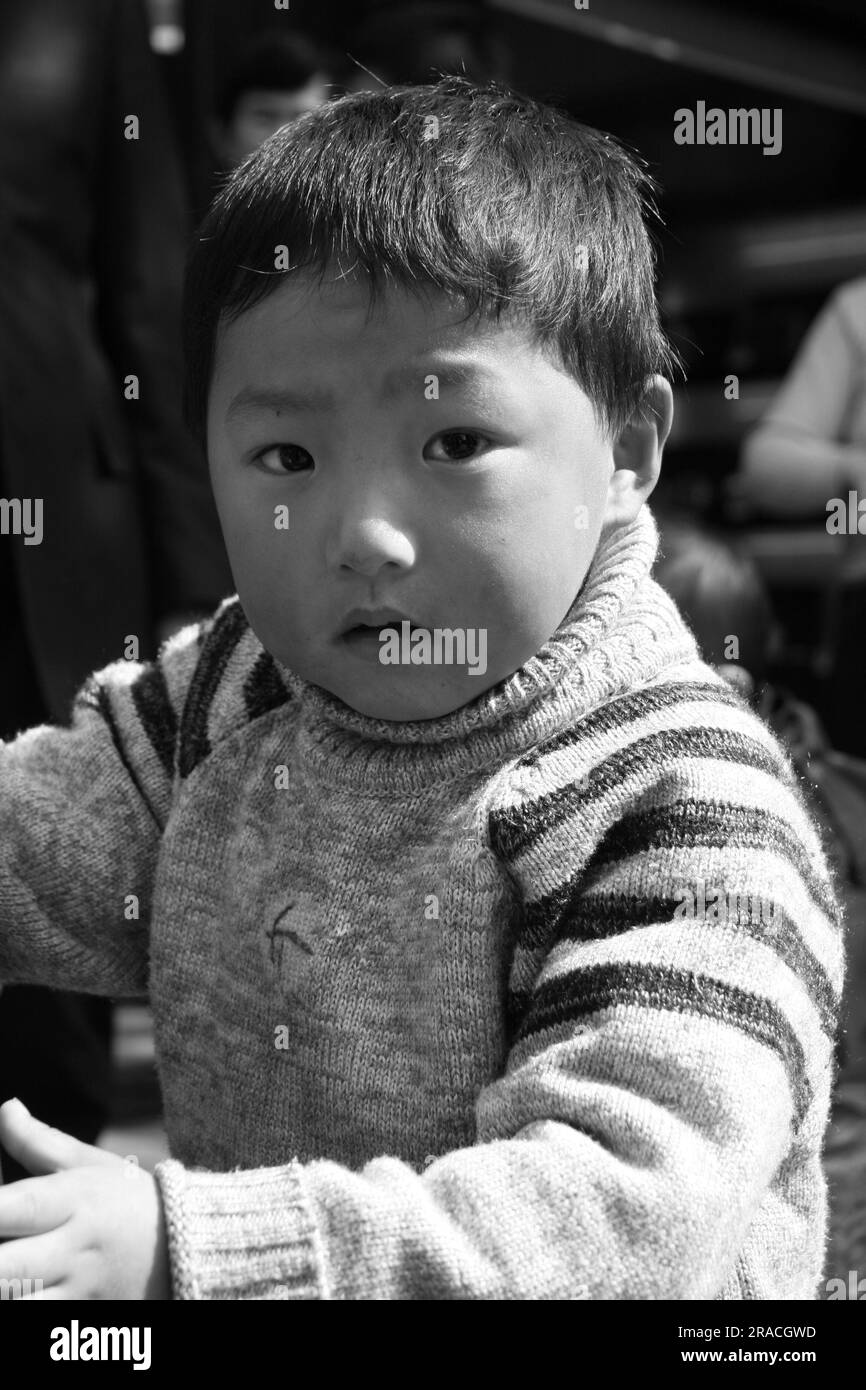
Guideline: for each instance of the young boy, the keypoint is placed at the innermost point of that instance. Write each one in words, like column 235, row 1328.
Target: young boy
column 512, row 976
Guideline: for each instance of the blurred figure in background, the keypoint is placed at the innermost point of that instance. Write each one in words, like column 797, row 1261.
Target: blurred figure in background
column 811, row 444
column 277, row 78
column 721, row 596
column 417, row 40
column 93, row 227
column 809, row 449
column 724, row 600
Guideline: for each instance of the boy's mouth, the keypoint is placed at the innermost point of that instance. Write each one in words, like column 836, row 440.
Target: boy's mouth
column 371, row 621
column 362, row 630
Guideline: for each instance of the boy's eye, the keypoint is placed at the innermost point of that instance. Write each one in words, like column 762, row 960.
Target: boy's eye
column 284, row 458
column 455, row 445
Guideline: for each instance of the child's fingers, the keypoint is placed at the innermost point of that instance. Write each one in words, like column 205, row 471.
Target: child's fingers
column 31, row 1207
column 32, row 1265
column 41, row 1149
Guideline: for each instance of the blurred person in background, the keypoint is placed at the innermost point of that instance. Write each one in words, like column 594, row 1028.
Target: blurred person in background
column 418, row 40
column 277, row 78
column 811, row 444
column 725, row 602
column 809, row 449
column 92, row 235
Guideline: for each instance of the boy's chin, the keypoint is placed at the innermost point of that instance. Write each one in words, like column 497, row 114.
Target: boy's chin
column 414, row 703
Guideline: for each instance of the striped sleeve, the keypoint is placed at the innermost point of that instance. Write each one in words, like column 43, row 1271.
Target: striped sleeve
column 83, row 809
column 673, row 999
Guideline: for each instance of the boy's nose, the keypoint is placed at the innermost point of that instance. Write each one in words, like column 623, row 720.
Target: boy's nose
column 367, row 545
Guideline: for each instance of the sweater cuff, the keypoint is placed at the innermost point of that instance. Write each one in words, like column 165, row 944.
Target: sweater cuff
column 249, row 1234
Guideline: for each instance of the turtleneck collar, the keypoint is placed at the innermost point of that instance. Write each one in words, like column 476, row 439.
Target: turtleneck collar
column 619, row 633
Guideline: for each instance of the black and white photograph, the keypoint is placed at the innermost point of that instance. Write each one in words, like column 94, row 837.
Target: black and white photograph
column 432, row 739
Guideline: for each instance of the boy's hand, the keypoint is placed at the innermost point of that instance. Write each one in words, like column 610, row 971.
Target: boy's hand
column 93, row 1227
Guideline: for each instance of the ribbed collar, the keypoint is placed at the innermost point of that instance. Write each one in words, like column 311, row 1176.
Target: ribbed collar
column 620, row 632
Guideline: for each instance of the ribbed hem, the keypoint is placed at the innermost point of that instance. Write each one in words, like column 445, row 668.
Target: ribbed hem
column 245, row 1235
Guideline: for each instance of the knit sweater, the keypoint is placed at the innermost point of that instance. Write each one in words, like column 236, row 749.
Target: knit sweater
column 450, row 1009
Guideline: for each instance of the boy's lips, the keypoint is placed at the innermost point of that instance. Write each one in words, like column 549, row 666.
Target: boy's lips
column 360, row 620
column 362, row 628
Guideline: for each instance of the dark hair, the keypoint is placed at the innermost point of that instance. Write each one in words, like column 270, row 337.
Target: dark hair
column 273, row 62
column 494, row 209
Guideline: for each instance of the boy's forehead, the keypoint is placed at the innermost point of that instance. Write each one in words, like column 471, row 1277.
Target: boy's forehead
column 338, row 321
column 345, row 304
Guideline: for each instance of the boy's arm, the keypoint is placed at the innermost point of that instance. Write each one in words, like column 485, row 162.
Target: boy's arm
column 661, row 1069
column 82, row 810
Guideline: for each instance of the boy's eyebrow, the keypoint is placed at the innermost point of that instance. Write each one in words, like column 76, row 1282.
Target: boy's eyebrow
column 401, row 381
column 252, row 398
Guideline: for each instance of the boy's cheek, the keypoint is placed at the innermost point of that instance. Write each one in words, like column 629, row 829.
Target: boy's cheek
column 259, row 535
column 268, row 582
column 270, row 618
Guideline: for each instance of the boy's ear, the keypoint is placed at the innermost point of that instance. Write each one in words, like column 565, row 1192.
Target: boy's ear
column 637, row 453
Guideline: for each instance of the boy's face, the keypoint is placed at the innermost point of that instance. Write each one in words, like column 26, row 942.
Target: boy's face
column 450, row 473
